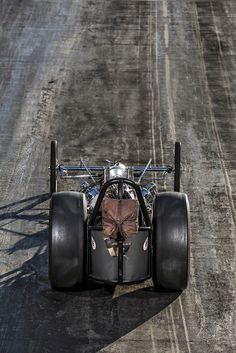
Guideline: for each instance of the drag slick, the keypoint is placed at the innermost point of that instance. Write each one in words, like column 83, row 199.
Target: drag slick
column 118, row 228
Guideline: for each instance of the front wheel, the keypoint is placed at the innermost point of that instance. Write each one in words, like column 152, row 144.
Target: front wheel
column 53, row 167
column 177, row 166
column 67, row 239
column 171, row 231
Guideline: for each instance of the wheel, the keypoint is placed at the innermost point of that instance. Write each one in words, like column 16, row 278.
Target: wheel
column 171, row 231
column 53, row 167
column 177, row 166
column 67, row 239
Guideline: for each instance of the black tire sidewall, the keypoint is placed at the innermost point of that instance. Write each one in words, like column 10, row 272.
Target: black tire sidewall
column 171, row 232
column 67, row 239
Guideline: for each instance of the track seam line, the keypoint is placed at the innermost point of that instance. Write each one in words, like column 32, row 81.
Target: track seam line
column 185, row 325
column 157, row 85
column 152, row 93
column 173, row 137
column 171, row 328
column 153, row 340
column 171, row 115
column 171, row 322
column 174, row 329
column 170, row 332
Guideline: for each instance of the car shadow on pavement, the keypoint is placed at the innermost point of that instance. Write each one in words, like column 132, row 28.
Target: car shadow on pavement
column 34, row 318
column 14, row 210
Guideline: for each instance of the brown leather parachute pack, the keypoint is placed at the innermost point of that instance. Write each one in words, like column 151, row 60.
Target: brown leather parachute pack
column 120, row 217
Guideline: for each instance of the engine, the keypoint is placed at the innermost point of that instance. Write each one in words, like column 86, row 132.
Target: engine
column 118, row 170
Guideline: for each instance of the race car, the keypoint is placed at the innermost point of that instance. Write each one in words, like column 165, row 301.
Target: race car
column 118, row 228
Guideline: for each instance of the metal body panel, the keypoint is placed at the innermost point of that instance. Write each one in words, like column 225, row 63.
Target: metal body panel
column 136, row 261
column 102, row 266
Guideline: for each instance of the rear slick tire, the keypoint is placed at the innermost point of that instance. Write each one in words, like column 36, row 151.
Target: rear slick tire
column 171, row 232
column 67, row 239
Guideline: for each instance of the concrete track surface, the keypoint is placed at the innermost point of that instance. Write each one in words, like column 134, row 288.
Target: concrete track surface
column 120, row 80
